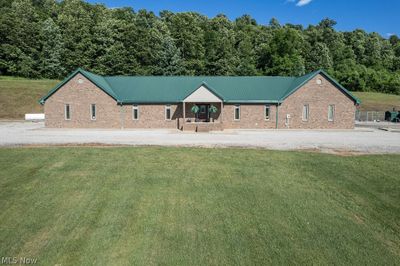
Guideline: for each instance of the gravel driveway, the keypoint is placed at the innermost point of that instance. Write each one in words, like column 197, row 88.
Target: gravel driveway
column 358, row 140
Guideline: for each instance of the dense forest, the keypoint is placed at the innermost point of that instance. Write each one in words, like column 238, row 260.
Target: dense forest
column 49, row 39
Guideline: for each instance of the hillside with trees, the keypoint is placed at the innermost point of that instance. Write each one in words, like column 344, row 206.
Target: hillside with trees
column 49, row 39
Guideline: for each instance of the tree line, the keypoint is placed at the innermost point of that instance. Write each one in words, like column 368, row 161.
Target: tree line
column 49, row 39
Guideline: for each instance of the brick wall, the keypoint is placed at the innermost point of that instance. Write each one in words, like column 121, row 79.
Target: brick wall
column 80, row 96
column 251, row 116
column 151, row 116
column 318, row 97
column 110, row 115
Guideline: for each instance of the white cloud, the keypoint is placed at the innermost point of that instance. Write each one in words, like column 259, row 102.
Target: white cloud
column 389, row 34
column 303, row 2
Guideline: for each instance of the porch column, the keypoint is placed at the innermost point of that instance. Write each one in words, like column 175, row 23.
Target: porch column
column 184, row 112
column 222, row 113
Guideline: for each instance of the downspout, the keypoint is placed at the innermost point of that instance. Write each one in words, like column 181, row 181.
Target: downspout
column 277, row 116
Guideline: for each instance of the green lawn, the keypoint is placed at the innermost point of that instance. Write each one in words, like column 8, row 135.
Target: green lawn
column 375, row 101
column 193, row 206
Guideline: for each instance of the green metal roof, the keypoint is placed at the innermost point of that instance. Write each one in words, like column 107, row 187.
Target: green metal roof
column 171, row 89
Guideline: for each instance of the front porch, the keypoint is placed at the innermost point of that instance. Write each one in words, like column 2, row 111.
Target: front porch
column 202, row 110
column 202, row 116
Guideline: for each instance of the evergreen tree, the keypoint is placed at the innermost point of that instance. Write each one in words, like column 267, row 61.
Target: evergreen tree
column 52, row 50
column 187, row 29
column 170, row 62
column 77, row 23
column 219, row 43
column 246, row 55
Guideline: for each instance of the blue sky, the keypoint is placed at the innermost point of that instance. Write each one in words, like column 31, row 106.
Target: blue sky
column 370, row 15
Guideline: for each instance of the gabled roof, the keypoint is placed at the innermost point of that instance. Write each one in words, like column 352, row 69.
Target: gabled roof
column 300, row 81
column 99, row 81
column 173, row 89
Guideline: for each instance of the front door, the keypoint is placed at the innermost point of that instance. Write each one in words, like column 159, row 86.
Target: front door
column 203, row 112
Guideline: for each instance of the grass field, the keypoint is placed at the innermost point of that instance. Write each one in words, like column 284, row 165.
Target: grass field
column 192, row 206
column 375, row 101
column 19, row 96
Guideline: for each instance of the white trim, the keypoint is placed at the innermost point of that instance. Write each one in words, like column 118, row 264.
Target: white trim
column 168, row 106
column 236, row 106
column 65, row 111
column 305, row 119
column 135, row 107
column 333, row 112
column 93, row 117
column 269, row 112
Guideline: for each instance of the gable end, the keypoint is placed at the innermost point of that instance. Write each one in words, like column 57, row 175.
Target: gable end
column 203, row 93
column 305, row 79
column 71, row 76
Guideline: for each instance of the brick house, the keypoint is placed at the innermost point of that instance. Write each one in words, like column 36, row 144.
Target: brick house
column 87, row 100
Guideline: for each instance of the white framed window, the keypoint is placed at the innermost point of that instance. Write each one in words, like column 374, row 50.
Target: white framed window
column 135, row 112
column 80, row 81
column 93, row 111
column 306, row 112
column 331, row 112
column 67, row 112
column 168, row 113
column 267, row 112
column 319, row 81
column 236, row 112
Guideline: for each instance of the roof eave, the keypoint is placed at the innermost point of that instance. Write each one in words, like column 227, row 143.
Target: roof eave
column 252, row 101
column 147, row 102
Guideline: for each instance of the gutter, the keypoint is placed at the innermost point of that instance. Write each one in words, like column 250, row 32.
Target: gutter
column 252, row 101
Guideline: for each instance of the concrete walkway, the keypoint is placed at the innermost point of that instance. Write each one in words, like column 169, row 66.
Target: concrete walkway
column 358, row 140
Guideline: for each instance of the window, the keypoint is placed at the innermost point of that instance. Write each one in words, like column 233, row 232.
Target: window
column 80, row 81
column 135, row 112
column 93, row 111
column 168, row 112
column 331, row 112
column 319, row 81
column 267, row 112
column 67, row 112
column 236, row 112
column 305, row 112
